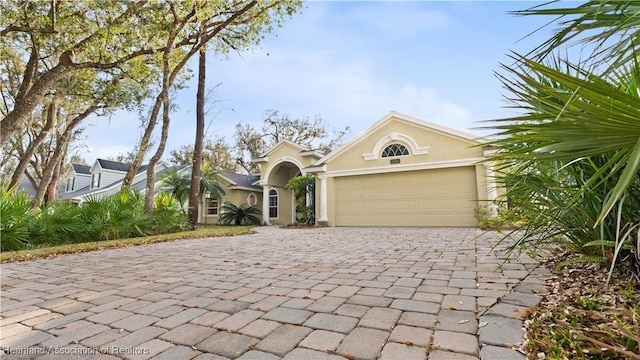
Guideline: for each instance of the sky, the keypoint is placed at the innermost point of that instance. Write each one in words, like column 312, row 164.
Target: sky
column 352, row 63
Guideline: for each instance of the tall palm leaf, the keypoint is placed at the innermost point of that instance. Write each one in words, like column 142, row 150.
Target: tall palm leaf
column 15, row 215
column 177, row 184
column 585, row 118
column 610, row 29
column 210, row 182
column 573, row 119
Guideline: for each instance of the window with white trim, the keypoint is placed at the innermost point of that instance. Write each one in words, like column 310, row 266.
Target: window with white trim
column 252, row 199
column 213, row 206
column 273, row 204
column 95, row 180
column 394, row 150
column 70, row 183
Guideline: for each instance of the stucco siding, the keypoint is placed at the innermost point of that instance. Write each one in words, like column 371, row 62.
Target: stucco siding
column 235, row 196
column 431, row 146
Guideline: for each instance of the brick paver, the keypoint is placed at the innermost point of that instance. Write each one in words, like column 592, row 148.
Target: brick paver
column 324, row 293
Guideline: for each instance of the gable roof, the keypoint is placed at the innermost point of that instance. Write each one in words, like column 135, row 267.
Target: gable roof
column 113, row 165
column 81, row 169
column 304, row 150
column 248, row 182
column 118, row 166
column 394, row 115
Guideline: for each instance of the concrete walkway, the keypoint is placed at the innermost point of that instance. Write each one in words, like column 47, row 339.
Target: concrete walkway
column 325, row 293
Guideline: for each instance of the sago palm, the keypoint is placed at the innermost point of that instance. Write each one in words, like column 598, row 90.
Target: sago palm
column 239, row 215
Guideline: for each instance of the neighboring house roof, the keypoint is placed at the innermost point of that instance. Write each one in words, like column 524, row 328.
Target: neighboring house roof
column 69, row 195
column 118, row 166
column 248, row 182
column 81, row 169
column 113, row 165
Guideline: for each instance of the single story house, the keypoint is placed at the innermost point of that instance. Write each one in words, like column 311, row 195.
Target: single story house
column 401, row 171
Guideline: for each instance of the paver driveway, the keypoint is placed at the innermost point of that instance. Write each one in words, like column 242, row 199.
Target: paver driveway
column 325, row 293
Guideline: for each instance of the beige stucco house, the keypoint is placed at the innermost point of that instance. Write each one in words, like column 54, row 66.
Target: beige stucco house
column 401, row 171
column 238, row 189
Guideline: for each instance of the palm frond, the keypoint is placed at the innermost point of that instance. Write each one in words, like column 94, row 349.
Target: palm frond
column 610, row 29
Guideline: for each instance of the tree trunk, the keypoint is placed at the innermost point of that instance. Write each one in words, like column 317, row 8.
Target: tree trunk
column 58, row 156
column 151, row 170
column 196, row 163
column 52, row 114
column 15, row 120
column 52, row 189
column 49, row 170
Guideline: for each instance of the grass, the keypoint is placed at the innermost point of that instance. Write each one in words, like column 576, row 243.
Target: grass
column 48, row 252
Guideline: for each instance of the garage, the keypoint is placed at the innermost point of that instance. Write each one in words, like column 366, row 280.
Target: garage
column 401, row 171
column 436, row 197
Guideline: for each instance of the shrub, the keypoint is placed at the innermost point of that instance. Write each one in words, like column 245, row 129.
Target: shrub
column 15, row 215
column 239, row 215
column 55, row 223
column 303, row 186
column 168, row 216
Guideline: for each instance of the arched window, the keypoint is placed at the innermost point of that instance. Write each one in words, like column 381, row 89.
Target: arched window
column 273, row 204
column 395, row 150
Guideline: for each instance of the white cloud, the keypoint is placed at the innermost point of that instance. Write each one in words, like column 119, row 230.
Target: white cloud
column 343, row 91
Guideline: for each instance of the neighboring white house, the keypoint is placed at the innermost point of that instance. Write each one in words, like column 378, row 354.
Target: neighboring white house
column 103, row 179
column 78, row 178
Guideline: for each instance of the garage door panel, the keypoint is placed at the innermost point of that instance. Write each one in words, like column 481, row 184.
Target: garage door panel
column 442, row 197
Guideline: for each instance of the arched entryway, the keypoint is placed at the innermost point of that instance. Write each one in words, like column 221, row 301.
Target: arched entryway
column 278, row 206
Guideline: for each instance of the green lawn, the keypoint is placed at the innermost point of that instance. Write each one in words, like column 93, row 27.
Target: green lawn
column 201, row 232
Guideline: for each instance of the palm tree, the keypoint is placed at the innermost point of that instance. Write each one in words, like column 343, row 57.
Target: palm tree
column 176, row 183
column 210, row 182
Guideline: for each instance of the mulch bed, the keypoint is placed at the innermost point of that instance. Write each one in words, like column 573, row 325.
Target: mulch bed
column 582, row 317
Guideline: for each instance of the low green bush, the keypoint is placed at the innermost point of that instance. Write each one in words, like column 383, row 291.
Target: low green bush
column 118, row 216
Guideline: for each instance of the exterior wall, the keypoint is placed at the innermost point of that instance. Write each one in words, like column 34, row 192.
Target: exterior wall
column 82, row 180
column 439, row 147
column 285, row 197
column 78, row 181
column 434, row 153
column 235, row 196
column 107, row 177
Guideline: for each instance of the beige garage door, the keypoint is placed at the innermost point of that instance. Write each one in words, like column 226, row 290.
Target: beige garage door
column 442, row 197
